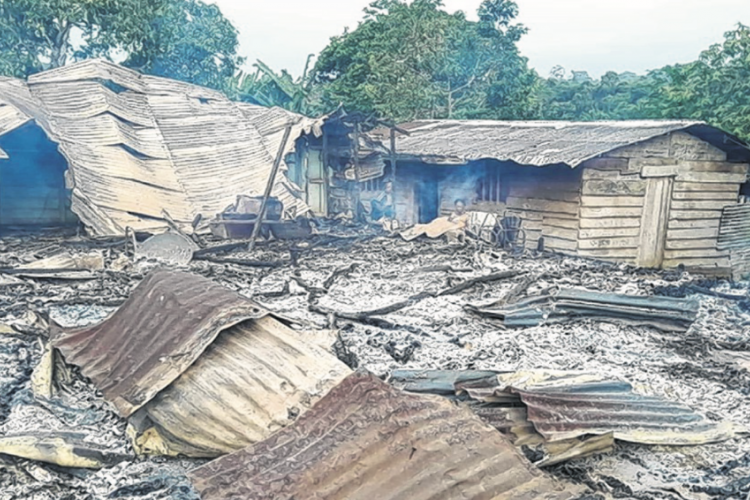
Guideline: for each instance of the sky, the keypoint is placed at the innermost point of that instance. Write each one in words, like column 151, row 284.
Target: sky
column 581, row 35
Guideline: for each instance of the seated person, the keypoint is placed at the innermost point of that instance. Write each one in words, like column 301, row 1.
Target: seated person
column 383, row 204
column 454, row 226
column 460, row 219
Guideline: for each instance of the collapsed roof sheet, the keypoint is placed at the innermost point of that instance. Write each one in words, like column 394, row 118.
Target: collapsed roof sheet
column 565, row 405
column 252, row 381
column 368, row 440
column 163, row 328
column 537, row 143
column 137, row 144
column 663, row 313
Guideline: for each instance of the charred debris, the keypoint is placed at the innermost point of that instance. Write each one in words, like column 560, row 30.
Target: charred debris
column 125, row 377
column 453, row 310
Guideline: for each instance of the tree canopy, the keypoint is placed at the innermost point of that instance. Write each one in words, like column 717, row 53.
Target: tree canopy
column 184, row 39
column 715, row 89
column 406, row 60
column 415, row 60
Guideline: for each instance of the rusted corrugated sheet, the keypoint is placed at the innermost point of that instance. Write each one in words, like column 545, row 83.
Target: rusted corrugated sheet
column 367, row 440
column 200, row 370
column 137, row 145
column 566, row 405
column 734, row 235
column 162, row 329
column 252, row 381
column 663, row 313
column 537, row 143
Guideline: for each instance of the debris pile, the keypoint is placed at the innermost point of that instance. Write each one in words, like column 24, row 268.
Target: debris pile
column 238, row 355
column 562, row 411
column 198, row 370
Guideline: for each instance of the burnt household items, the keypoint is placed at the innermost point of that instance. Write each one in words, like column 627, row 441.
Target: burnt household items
column 237, row 221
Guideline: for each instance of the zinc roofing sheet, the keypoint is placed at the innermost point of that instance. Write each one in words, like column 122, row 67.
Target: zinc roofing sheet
column 367, row 440
column 138, row 145
column 166, row 324
column 535, row 143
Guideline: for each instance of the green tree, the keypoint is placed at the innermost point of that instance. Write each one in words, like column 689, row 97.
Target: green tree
column 414, row 60
column 268, row 88
column 714, row 89
column 183, row 39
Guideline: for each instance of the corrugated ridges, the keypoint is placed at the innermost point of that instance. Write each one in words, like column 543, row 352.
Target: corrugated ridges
column 368, row 440
column 565, row 405
column 537, row 143
column 734, row 231
column 162, row 329
column 139, row 144
column 245, row 386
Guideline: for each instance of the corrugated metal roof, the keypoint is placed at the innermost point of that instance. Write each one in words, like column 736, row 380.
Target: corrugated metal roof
column 368, row 440
column 663, row 313
column 252, row 381
column 162, row 329
column 537, row 143
column 138, row 144
column 566, row 405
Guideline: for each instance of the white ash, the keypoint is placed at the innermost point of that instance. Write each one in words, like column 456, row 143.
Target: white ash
column 448, row 338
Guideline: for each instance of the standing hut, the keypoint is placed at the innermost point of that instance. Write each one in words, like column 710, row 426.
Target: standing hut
column 648, row 193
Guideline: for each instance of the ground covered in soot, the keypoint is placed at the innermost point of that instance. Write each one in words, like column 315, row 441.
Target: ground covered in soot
column 348, row 275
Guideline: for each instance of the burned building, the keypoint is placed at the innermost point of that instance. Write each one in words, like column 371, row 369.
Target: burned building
column 107, row 146
column 649, row 193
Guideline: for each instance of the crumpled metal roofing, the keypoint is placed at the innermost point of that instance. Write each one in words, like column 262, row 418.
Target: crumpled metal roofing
column 537, row 143
column 252, row 381
column 567, row 304
column 734, row 235
column 367, row 440
column 166, row 324
column 138, row 144
column 564, row 405
column 199, row 370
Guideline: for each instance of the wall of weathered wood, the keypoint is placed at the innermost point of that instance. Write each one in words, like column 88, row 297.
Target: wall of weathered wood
column 547, row 199
column 616, row 219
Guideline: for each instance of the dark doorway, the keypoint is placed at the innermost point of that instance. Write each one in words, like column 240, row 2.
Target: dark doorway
column 32, row 181
column 428, row 200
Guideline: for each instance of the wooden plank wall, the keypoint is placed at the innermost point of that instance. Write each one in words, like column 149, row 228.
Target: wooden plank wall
column 548, row 200
column 612, row 197
column 613, row 190
column 404, row 189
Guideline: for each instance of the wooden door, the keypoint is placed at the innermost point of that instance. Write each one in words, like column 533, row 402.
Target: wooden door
column 654, row 221
column 317, row 183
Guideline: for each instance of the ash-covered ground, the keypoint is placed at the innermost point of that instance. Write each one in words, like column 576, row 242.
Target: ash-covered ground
column 701, row 368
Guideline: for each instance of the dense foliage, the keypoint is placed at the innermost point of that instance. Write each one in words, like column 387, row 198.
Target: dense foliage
column 183, row 39
column 414, row 60
column 715, row 88
column 405, row 60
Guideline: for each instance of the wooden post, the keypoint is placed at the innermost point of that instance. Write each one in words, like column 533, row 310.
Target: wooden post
column 355, row 159
column 269, row 187
column 393, row 170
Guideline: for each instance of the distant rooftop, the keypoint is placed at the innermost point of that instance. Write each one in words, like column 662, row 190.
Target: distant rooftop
column 540, row 143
